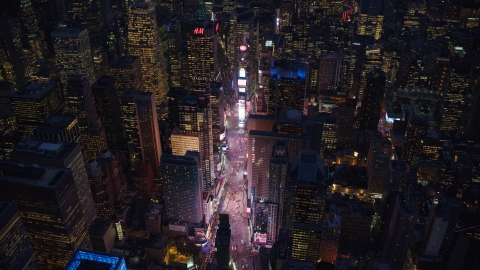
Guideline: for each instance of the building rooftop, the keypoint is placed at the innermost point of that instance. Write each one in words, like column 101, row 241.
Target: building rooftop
column 94, row 260
column 65, row 32
column 99, row 227
column 43, row 148
column 34, row 90
column 32, row 174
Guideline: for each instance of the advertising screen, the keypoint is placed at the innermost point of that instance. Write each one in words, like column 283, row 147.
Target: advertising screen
column 241, row 89
column 242, row 82
column 260, row 238
column 241, row 73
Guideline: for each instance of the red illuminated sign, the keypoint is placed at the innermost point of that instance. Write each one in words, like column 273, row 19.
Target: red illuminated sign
column 198, row 30
column 217, row 26
column 242, row 48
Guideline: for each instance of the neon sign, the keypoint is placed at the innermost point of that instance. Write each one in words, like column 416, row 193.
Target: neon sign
column 198, row 30
column 217, row 27
column 242, row 48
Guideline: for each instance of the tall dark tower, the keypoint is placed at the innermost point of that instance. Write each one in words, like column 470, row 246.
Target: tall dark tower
column 372, row 100
column 12, row 68
column 62, row 155
column 402, row 217
column 304, row 204
column 80, row 102
column 454, row 96
column 108, row 109
column 15, row 247
column 50, row 208
column 473, row 125
column 416, row 131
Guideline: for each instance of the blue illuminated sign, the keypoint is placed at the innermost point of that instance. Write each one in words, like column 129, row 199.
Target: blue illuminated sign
column 115, row 262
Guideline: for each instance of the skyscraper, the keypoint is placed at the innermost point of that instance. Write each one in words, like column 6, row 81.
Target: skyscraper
column 454, row 96
column 80, row 103
column 285, row 94
column 402, row 218
column 379, row 167
column 13, row 67
column 304, row 204
column 63, row 155
column 330, row 239
column 371, row 18
column 62, row 128
column 34, row 103
column 182, row 187
column 329, row 70
column 108, row 108
column 127, row 72
column 73, row 43
column 50, row 208
column 141, row 130
column 201, row 53
column 416, row 132
column 15, row 247
column 196, row 117
column 372, row 100
column 144, row 42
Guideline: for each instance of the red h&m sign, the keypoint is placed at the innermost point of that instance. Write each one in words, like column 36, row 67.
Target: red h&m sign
column 198, row 30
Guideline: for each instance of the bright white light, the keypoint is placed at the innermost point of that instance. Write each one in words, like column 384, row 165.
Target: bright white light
column 242, row 73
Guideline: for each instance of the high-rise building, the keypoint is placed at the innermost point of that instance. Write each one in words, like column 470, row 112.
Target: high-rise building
column 63, row 155
column 73, row 43
column 330, row 239
column 222, row 242
column 89, row 259
column 144, row 42
column 143, row 179
column 218, row 125
column 372, row 100
column 183, row 142
column 442, row 219
column 260, row 149
column 473, row 125
column 33, row 103
column 196, row 117
column 304, row 204
column 416, row 132
column 141, row 130
column 329, row 71
column 286, row 94
column 61, row 128
column 264, row 222
column 13, row 68
column 50, row 208
column 278, row 171
column 201, row 54
column 80, row 103
column 182, row 187
column 401, row 221
column 102, row 190
column 370, row 21
column 379, row 167
column 102, row 233
column 108, row 108
column 454, row 96
column 127, row 72
column 113, row 176
column 15, row 247
column 8, row 133
column 6, row 89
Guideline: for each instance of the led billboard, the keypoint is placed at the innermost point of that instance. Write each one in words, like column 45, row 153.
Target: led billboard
column 260, row 238
column 241, row 89
column 242, row 73
column 242, row 82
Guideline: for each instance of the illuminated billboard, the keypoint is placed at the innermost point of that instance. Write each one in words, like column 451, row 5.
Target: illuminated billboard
column 241, row 109
column 243, row 48
column 241, row 89
column 242, row 73
column 264, row 222
column 242, row 82
column 260, row 238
